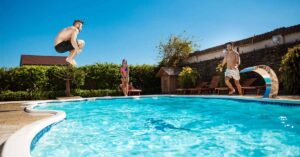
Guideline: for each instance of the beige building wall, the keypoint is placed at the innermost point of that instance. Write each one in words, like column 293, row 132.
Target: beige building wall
column 256, row 46
column 290, row 38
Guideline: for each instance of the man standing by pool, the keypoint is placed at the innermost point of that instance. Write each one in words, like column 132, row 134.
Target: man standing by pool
column 66, row 40
column 232, row 59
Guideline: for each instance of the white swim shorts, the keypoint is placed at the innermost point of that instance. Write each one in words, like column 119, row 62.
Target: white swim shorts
column 232, row 73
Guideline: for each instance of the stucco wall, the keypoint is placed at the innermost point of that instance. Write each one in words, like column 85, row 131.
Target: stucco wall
column 288, row 39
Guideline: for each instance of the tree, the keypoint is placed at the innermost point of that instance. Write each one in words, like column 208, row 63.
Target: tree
column 175, row 50
column 290, row 67
column 70, row 73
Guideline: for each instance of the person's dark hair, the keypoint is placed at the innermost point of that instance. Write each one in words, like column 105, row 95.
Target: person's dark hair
column 80, row 21
column 230, row 43
column 124, row 61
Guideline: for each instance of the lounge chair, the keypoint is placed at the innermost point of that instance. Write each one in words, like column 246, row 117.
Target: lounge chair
column 211, row 87
column 181, row 90
column 256, row 88
column 219, row 89
column 246, row 85
column 133, row 91
column 195, row 90
column 191, row 90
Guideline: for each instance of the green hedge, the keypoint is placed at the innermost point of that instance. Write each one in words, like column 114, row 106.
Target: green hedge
column 26, row 78
column 19, row 95
column 25, row 95
column 55, row 82
column 92, row 80
column 3, row 83
column 96, row 93
column 144, row 77
column 101, row 76
column 107, row 76
column 38, row 78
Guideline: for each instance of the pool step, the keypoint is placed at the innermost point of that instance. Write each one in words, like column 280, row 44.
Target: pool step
column 67, row 98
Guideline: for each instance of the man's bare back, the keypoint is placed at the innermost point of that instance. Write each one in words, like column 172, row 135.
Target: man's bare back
column 65, row 35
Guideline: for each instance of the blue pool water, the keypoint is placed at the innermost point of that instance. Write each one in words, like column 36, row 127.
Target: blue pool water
column 171, row 126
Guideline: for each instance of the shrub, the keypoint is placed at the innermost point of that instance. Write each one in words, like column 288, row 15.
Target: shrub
column 10, row 95
column 144, row 77
column 3, row 81
column 101, row 76
column 220, row 71
column 24, row 95
column 53, row 94
column 26, row 78
column 290, row 67
column 96, row 93
column 107, row 76
column 47, row 82
column 57, row 74
column 77, row 78
column 32, row 95
column 55, row 82
column 187, row 77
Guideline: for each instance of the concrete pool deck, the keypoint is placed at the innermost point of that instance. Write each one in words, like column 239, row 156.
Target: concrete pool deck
column 13, row 117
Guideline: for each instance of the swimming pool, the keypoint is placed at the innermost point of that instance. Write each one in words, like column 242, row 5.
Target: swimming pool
column 171, row 126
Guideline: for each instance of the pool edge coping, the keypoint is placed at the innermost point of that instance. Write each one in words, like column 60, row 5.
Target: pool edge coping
column 19, row 143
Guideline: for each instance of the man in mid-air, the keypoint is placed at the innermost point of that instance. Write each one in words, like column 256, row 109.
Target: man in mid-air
column 66, row 40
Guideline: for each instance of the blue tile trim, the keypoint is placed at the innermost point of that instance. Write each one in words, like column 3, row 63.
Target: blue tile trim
column 39, row 135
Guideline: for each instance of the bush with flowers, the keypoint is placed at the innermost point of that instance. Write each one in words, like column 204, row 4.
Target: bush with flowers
column 187, row 77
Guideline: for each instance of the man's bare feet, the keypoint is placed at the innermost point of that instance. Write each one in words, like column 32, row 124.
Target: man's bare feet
column 68, row 60
column 231, row 92
column 75, row 64
column 72, row 62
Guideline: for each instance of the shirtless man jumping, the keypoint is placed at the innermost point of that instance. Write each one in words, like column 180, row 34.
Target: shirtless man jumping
column 66, row 40
column 232, row 58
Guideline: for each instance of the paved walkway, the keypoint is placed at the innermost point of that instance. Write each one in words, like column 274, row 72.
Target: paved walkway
column 294, row 97
column 12, row 118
